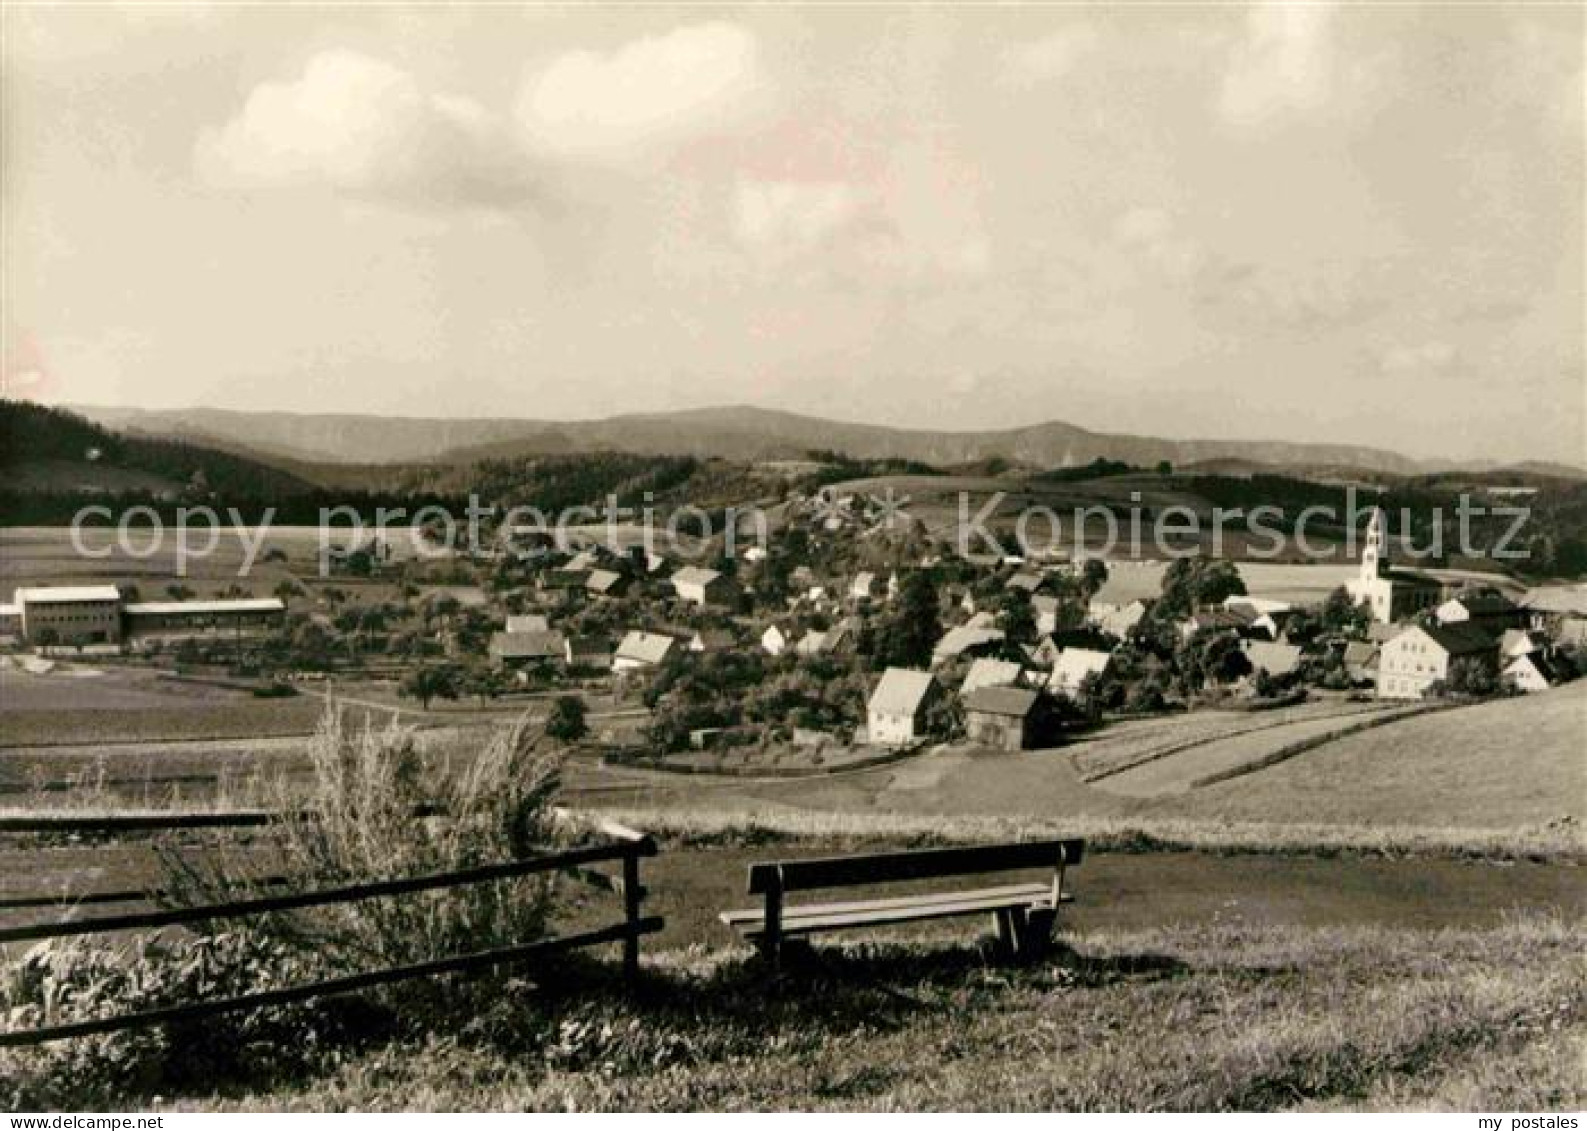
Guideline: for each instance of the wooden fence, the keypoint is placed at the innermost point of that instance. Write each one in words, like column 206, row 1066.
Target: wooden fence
column 622, row 845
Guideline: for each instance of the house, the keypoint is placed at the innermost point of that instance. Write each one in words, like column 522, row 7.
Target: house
column 1390, row 594
column 1213, row 620
column 1121, row 622
column 1053, row 613
column 605, row 583
column 1560, row 611
column 527, row 649
column 1490, row 611
column 528, row 622
column 1072, row 667
column 1530, row 672
column 69, row 614
column 593, row 652
column 863, row 587
column 10, row 623
column 643, row 650
column 1420, row 656
column 774, row 641
column 1000, row 717
column 812, row 643
column 987, row 672
column 712, row 640
column 1519, row 642
column 1274, row 657
column 1128, row 584
column 966, row 640
column 895, row 714
column 704, row 586
column 1361, row 661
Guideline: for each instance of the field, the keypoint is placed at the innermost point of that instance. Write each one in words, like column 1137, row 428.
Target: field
column 1210, row 1016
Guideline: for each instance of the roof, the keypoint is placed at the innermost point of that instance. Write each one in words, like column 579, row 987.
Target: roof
column 228, row 605
column 527, row 645
column 1272, row 656
column 600, row 580
column 1026, row 579
column 589, row 645
column 1130, row 581
column 956, row 640
column 528, row 622
column 987, row 672
column 41, row 595
column 715, row 638
column 1484, row 604
column 1570, row 599
column 695, row 575
column 646, row 647
column 1360, row 652
column 1457, row 639
column 10, row 610
column 901, row 691
column 1074, row 664
column 1013, row 702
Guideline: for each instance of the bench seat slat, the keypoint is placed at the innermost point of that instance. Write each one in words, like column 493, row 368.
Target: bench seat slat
column 875, row 912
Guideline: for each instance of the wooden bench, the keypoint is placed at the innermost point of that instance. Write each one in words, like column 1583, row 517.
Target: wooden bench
column 1024, row 913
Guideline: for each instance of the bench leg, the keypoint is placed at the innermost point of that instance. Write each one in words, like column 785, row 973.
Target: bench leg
column 1037, row 934
column 1007, row 932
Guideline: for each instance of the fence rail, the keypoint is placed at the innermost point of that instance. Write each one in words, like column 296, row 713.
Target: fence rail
column 624, row 846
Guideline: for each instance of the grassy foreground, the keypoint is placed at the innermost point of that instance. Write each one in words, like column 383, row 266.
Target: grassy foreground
column 1203, row 1018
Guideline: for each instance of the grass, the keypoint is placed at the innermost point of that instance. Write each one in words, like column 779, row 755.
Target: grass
column 1562, row 842
column 1512, row 763
column 1176, row 1019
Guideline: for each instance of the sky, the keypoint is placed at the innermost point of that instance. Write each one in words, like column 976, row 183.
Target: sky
column 1351, row 223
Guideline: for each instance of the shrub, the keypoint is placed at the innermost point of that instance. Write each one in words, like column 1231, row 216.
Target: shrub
column 68, row 980
column 360, row 821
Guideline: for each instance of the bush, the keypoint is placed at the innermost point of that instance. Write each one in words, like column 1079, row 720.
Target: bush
column 359, row 823
column 68, row 980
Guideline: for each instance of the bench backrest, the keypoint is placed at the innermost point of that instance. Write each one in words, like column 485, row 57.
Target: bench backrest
column 922, row 864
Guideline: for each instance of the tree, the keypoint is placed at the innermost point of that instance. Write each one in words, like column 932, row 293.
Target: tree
column 1092, row 576
column 1165, row 468
column 178, row 592
column 910, row 628
column 483, row 682
column 566, row 721
column 429, row 683
column 1017, row 618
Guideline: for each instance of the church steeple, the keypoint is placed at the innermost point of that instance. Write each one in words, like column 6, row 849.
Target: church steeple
column 1375, row 556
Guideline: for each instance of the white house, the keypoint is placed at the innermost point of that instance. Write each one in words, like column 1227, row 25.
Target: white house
column 895, row 715
column 703, row 586
column 1530, row 672
column 1420, row 656
column 774, row 641
column 643, row 650
column 1072, row 667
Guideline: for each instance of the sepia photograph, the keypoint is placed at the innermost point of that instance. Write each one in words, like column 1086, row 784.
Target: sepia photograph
column 794, row 557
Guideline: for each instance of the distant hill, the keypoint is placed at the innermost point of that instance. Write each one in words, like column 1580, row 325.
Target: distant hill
column 46, row 449
column 734, row 432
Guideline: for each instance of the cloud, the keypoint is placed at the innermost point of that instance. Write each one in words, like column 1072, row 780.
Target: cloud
column 1430, row 356
column 793, row 216
column 1282, row 64
column 367, row 128
column 645, row 95
column 1049, row 58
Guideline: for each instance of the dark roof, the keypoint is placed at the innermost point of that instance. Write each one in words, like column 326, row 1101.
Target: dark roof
column 589, row 645
column 1460, row 639
column 1485, row 604
column 1015, row 702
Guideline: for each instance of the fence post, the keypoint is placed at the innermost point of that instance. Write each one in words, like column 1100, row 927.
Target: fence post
column 633, row 896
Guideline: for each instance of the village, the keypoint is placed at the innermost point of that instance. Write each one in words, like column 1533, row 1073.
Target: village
column 837, row 641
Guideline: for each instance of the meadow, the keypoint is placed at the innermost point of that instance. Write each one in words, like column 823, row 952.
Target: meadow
column 1208, row 1016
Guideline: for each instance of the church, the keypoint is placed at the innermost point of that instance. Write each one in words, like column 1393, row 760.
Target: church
column 1391, row 594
